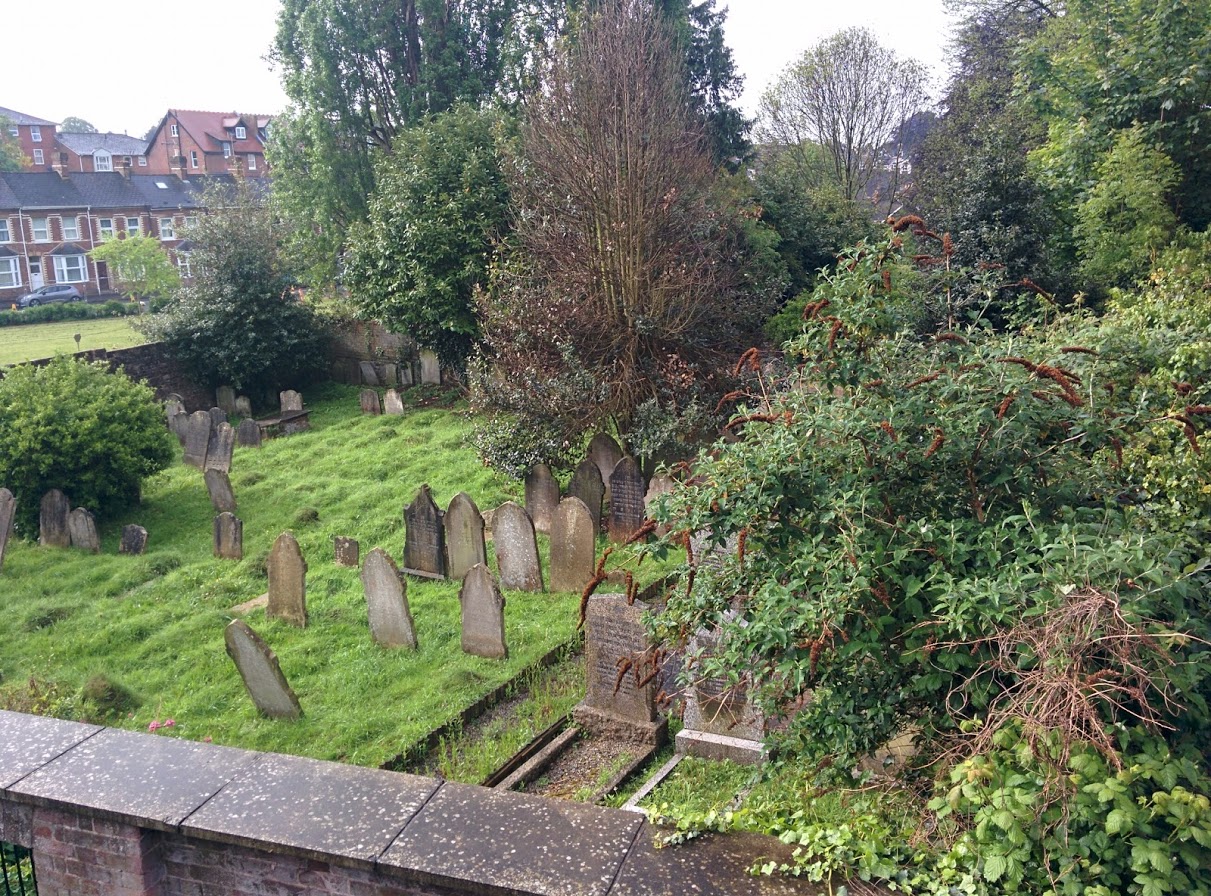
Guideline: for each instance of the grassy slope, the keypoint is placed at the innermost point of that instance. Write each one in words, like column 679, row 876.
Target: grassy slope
column 28, row 343
column 154, row 624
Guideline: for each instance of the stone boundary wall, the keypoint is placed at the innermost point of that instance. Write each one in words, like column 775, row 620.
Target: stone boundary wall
column 358, row 341
column 109, row 812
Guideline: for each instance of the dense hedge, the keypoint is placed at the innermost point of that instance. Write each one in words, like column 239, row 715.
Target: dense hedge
column 67, row 311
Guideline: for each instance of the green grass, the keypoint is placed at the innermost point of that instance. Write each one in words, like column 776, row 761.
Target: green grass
column 34, row 341
column 154, row 624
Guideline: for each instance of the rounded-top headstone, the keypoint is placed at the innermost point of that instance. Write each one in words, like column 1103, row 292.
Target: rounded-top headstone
column 464, row 532
column 573, row 546
column 542, row 496
column 516, row 549
column 287, row 581
column 387, row 602
column 627, row 489
column 587, row 485
column 605, row 453
column 258, row 667
column 52, row 520
column 483, row 615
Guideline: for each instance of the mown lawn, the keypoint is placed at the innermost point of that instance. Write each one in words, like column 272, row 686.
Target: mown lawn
column 153, row 625
column 33, row 341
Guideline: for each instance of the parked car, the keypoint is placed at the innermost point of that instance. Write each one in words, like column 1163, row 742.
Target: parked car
column 56, row 292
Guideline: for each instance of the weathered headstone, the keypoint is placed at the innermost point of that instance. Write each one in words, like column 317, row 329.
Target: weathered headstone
column 390, row 375
column 369, row 402
column 228, row 536
column 52, row 520
column 620, row 692
column 627, row 489
column 430, row 369
column 290, row 401
column 720, row 722
column 197, row 439
column 483, row 615
column 660, row 485
column 516, row 549
column 218, row 485
column 243, row 406
column 542, row 496
column 392, row 403
column 464, row 533
column 172, row 407
column 8, row 510
column 220, row 449
column 248, row 433
column 405, row 375
column 217, row 416
column 604, row 452
column 346, row 551
column 287, row 582
column 369, row 374
column 573, row 546
column 258, row 667
column 178, row 425
column 82, row 528
column 387, row 602
column 424, row 540
column 224, row 397
column 587, row 485
column 134, row 540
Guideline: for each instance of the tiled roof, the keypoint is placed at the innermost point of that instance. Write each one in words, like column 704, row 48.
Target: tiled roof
column 115, row 144
column 21, row 118
column 210, row 129
column 97, row 190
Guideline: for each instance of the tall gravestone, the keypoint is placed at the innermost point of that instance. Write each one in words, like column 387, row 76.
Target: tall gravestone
column 392, row 403
column 369, row 402
column 220, row 448
column 627, row 511
column 287, row 582
column 262, row 674
column 345, row 551
column 464, row 533
column 430, row 369
column 390, row 374
column 516, row 549
column 178, row 425
column 573, row 546
column 243, row 406
column 605, row 453
column 134, row 540
column 542, row 496
column 483, row 615
column 290, row 401
column 52, row 520
column 82, row 529
column 228, row 537
column 217, row 416
column 424, row 538
column 387, row 602
column 588, row 486
column 173, row 407
column 248, row 433
column 197, row 439
column 8, row 511
column 224, row 397
column 218, row 486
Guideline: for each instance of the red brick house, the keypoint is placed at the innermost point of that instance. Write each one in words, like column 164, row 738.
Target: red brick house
column 36, row 136
column 188, row 143
column 100, row 152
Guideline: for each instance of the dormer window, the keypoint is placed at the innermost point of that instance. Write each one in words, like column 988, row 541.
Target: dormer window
column 103, row 161
column 240, row 133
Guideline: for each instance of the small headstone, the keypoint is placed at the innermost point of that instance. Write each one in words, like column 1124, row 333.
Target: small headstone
column 290, row 401
column 220, row 449
column 660, row 485
column 243, row 406
column 248, row 433
column 573, row 546
column 258, row 667
column 345, row 551
column 369, row 374
column 369, row 401
column 224, row 397
column 8, row 510
column 424, row 539
column 627, row 489
column 390, row 375
column 405, row 375
column 392, row 403
column 178, row 425
column 217, row 416
column 587, row 485
column 287, row 582
column 483, row 614
column 218, row 485
column 604, row 452
column 542, row 496
column 82, row 528
column 720, row 722
column 172, row 407
column 387, row 602
column 464, row 533
column 228, row 537
column 197, row 439
column 516, row 549
column 134, row 540
column 52, row 520
column 430, row 369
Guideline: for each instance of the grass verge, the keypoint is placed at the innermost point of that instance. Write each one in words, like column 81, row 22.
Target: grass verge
column 34, row 341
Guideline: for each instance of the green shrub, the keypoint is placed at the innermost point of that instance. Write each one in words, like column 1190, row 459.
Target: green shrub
column 67, row 311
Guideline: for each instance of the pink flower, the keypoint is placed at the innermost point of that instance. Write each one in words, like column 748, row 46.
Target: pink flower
column 168, row 723
column 153, row 726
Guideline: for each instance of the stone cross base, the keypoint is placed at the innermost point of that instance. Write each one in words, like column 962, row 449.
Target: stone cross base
column 720, row 746
column 605, row 724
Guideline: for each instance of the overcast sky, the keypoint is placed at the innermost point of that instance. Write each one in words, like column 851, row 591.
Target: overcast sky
column 121, row 67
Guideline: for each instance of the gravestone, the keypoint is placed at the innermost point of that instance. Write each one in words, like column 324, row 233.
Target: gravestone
column 262, row 675
column 8, row 510
column 52, row 520
column 587, row 485
column 220, row 449
column 178, row 425
column 392, row 403
column 464, row 533
column 605, row 453
column 287, row 582
column 172, row 407
column 248, row 433
column 369, row 402
column 345, row 551
column 660, row 485
column 243, row 406
column 228, row 536
column 617, row 660
column 217, row 416
column 290, row 401
column 134, row 540
column 82, row 529
column 369, row 374
column 197, row 439
column 483, row 615
column 430, row 369
column 405, row 374
column 224, row 397
column 720, row 722
column 627, row 512
column 573, row 546
column 390, row 376
column 542, row 496
column 424, row 541
column 516, row 548
column 387, row 602
column 218, row 485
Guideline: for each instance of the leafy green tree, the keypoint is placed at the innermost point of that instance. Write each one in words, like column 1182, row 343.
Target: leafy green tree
column 77, row 427
column 11, row 156
column 74, row 125
column 140, row 265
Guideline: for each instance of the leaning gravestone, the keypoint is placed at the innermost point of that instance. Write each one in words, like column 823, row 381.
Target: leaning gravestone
column 573, row 546
column 720, row 722
column 218, row 485
column 258, row 667
column 369, row 402
column 224, row 397
column 82, row 528
column 387, row 602
column 178, row 425
column 369, row 374
column 220, row 449
column 483, row 615
column 287, row 582
column 228, row 537
column 542, row 496
column 605, row 453
column 243, row 406
column 516, row 549
column 620, row 693
column 424, row 541
column 464, row 534
column 197, row 438
column 134, row 540
column 290, row 401
column 248, row 433
column 392, row 403
column 345, row 551
column 430, row 369
column 587, row 485
column 627, row 511
column 52, row 520
column 8, row 509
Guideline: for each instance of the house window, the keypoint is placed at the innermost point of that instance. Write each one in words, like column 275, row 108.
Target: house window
column 39, row 159
column 5, row 236
column 240, row 133
column 71, row 228
column 132, row 226
column 167, row 231
column 41, row 230
column 35, row 133
column 106, row 227
column 70, row 269
column 172, row 129
column 190, row 222
column 13, row 132
column 103, row 161
column 142, row 161
column 252, row 161
column 183, row 266
column 193, row 158
column 10, row 273
column 226, row 150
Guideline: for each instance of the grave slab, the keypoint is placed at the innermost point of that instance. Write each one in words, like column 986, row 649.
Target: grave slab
column 290, row 401
column 29, row 742
column 134, row 540
column 248, row 434
column 573, row 546
column 224, row 397
column 228, row 537
column 346, row 551
column 424, row 536
column 604, row 452
column 368, row 398
column 197, row 439
column 218, row 486
column 220, row 448
column 82, row 528
column 587, row 485
column 393, row 404
column 627, row 511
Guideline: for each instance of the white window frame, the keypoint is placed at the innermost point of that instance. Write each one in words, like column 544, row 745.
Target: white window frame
column 10, row 278
column 6, row 235
column 168, row 230
column 76, row 272
column 137, row 229
column 142, row 161
column 184, row 267
column 226, row 150
column 105, row 227
column 71, row 227
column 39, row 158
column 103, row 161
column 45, row 229
column 252, row 161
column 13, row 131
column 35, row 133
column 172, row 129
column 193, row 158
column 241, row 133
